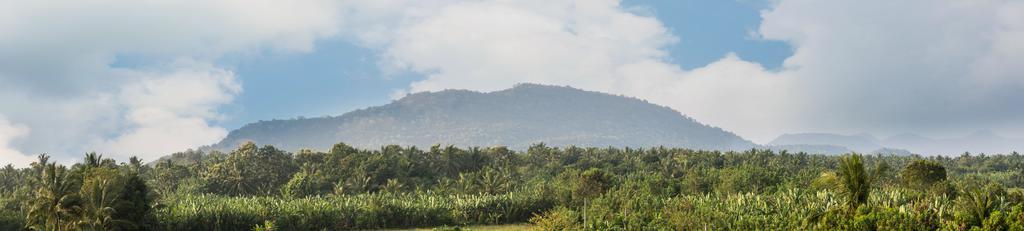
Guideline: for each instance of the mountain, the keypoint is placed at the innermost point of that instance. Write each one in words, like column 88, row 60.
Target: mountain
column 901, row 144
column 518, row 117
column 826, row 143
column 829, row 149
column 811, row 148
column 978, row 142
column 860, row 143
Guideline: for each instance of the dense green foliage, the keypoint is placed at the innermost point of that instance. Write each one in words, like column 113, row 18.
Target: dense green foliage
column 923, row 174
column 570, row 188
column 378, row 210
column 96, row 194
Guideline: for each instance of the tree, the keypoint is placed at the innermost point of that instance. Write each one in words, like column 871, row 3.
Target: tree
column 37, row 169
column 251, row 170
column 136, row 167
column 10, row 179
column 591, row 183
column 95, row 195
column 922, row 174
column 135, row 198
column 55, row 199
column 978, row 202
column 101, row 192
column 167, row 175
column 93, row 160
column 306, row 183
column 855, row 180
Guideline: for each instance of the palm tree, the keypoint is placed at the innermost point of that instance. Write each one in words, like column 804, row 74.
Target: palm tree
column 55, row 199
column 100, row 194
column 41, row 163
column 855, row 181
column 92, row 160
column 38, row 168
column 979, row 202
column 9, row 178
column 135, row 165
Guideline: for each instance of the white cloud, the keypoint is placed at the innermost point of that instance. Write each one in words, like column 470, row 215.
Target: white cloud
column 58, row 74
column 169, row 111
column 87, row 36
column 489, row 45
column 594, row 45
column 731, row 93
column 885, row 66
column 9, row 155
column 875, row 66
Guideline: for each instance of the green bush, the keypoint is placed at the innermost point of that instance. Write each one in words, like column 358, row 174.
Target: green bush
column 560, row 218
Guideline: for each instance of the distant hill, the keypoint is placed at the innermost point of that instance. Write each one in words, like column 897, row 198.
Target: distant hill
column 811, row 148
column 825, row 143
column 518, row 117
column 859, row 143
column 902, row 144
column 978, row 142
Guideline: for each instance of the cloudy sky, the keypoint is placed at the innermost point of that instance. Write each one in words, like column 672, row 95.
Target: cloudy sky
column 150, row 77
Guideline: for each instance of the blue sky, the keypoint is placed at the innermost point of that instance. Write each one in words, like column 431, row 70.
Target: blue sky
column 340, row 76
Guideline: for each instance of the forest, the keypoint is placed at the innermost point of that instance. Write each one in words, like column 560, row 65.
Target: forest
column 549, row 188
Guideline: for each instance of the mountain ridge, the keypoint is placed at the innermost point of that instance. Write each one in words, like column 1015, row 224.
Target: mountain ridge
column 516, row 117
column 983, row 141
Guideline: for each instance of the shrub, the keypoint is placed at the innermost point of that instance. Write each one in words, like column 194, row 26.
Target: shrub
column 560, row 218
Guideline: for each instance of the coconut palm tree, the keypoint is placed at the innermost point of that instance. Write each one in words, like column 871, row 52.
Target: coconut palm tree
column 100, row 194
column 855, row 181
column 93, row 160
column 55, row 200
column 135, row 165
column 38, row 168
column 978, row 202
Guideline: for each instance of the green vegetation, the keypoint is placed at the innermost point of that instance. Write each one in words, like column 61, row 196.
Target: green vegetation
column 572, row 188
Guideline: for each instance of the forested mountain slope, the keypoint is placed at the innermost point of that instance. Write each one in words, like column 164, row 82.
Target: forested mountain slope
column 516, row 118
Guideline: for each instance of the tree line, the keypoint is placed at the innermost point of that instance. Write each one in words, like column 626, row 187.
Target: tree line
column 554, row 188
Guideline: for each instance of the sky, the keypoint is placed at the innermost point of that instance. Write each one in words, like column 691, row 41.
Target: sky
column 148, row 78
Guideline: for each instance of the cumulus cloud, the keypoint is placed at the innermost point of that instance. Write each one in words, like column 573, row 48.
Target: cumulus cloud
column 875, row 66
column 594, row 45
column 166, row 112
column 89, row 35
column 883, row 66
column 9, row 132
column 508, row 42
column 60, row 79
